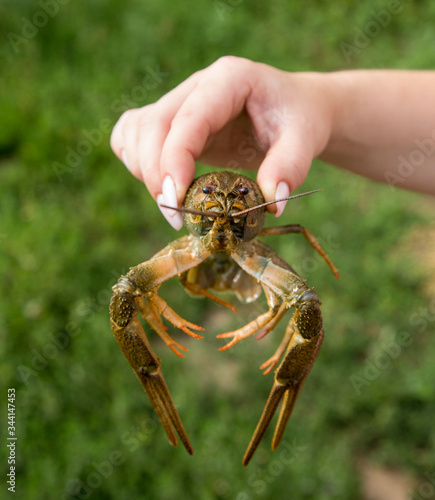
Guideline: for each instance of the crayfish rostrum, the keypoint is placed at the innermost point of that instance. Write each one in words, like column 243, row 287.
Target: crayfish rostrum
column 224, row 213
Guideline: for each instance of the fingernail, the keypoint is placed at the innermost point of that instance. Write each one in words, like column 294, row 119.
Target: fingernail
column 124, row 159
column 169, row 194
column 176, row 221
column 282, row 191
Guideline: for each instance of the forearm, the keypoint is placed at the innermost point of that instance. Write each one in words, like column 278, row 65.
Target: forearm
column 383, row 126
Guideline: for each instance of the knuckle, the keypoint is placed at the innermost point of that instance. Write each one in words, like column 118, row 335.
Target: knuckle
column 230, row 63
column 125, row 125
column 191, row 124
column 137, row 119
column 146, row 116
column 185, row 114
column 127, row 116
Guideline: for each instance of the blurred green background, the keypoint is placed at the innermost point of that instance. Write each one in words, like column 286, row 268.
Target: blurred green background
column 72, row 219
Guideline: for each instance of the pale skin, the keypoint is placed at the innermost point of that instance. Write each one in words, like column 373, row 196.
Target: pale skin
column 237, row 113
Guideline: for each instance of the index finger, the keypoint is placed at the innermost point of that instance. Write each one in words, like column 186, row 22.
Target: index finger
column 218, row 97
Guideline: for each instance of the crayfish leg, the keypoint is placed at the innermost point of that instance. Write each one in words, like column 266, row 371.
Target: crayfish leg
column 309, row 236
column 270, row 364
column 262, row 321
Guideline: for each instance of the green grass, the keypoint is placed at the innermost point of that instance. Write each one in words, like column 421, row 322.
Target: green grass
column 72, row 220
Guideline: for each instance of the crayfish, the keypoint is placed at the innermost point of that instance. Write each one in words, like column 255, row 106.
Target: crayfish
column 224, row 213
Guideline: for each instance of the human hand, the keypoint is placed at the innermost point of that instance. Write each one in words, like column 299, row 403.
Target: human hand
column 233, row 114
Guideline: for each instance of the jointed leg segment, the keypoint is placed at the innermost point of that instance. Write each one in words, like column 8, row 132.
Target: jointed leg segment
column 309, row 236
column 262, row 321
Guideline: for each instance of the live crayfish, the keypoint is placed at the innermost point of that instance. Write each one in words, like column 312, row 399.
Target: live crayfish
column 224, row 212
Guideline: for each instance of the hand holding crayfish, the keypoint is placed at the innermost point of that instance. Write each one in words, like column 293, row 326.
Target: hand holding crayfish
column 224, row 213
column 238, row 113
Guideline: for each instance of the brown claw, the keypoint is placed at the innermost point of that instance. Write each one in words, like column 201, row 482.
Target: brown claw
column 160, row 397
column 133, row 342
column 288, row 403
column 288, row 396
column 289, row 379
column 272, row 403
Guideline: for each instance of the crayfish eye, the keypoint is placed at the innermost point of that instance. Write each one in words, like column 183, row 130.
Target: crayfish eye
column 243, row 191
column 209, row 189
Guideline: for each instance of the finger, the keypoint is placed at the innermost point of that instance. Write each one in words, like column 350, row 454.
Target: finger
column 138, row 138
column 123, row 141
column 139, row 134
column 116, row 137
column 218, row 98
column 284, row 169
column 153, row 130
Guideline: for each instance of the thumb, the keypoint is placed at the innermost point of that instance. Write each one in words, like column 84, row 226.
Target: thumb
column 283, row 170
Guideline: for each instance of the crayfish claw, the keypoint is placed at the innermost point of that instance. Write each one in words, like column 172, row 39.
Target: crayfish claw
column 301, row 352
column 272, row 404
column 161, row 399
